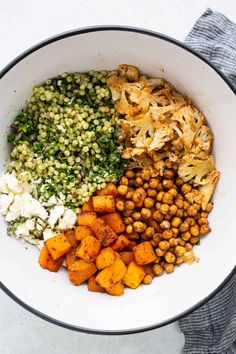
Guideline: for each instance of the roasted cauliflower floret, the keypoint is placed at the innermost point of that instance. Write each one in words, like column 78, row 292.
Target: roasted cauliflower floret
column 203, row 140
column 206, row 190
column 115, row 84
column 187, row 122
column 129, row 71
column 193, row 168
column 143, row 130
column 163, row 133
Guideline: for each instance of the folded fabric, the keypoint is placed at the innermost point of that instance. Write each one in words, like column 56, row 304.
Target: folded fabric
column 212, row 328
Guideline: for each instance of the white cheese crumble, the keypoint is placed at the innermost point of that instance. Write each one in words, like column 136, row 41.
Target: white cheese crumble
column 68, row 220
column 55, row 214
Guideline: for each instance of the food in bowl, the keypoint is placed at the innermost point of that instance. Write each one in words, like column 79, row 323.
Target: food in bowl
column 127, row 158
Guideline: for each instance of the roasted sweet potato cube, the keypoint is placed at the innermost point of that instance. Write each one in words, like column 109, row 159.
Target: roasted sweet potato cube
column 105, row 258
column 96, row 226
column 71, row 257
column 82, row 232
column 127, row 257
column 143, row 253
column 88, row 206
column 46, row 261
column 104, row 203
column 115, row 221
column 86, row 218
column 70, row 234
column 106, row 235
column 94, row 286
column 120, row 243
column 134, row 236
column 112, row 275
column 139, row 196
column 116, row 289
column 58, row 246
column 134, row 275
column 88, row 249
column 110, row 189
column 80, row 271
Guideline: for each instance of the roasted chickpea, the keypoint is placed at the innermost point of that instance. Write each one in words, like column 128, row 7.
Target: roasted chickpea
column 153, row 183
column 157, row 260
column 186, row 235
column 168, row 174
column 168, row 217
column 169, row 257
column 127, row 212
column 129, row 194
column 139, row 226
column 188, row 246
column 159, row 187
column 204, row 229
column 194, row 230
column 155, row 224
column 158, row 216
column 156, row 238
column 147, row 279
column 153, row 243
column 175, row 231
column 164, row 208
column 129, row 229
column 148, row 203
column 167, row 183
column 145, row 175
column 122, row 189
column 173, row 192
column 179, row 203
column 144, row 237
column 197, row 206
column 180, row 250
column 167, row 234
column 151, row 192
column 130, row 174
column 184, row 226
column 173, row 210
column 146, row 213
column 129, row 205
column 136, row 216
column 176, row 221
column 128, row 220
column 120, row 205
column 180, row 213
column 203, row 221
column 186, row 188
column 179, row 182
column 145, row 185
column 179, row 260
column 160, row 196
column 204, row 214
column 165, row 224
column 194, row 239
column 169, row 267
column 190, row 221
column 186, row 205
column 167, row 198
column 124, row 180
column 159, row 252
column 131, row 182
column 138, row 182
column 164, row 245
column 192, row 211
column 157, row 269
column 209, row 207
column 173, row 242
column 157, row 205
column 181, row 242
column 149, row 232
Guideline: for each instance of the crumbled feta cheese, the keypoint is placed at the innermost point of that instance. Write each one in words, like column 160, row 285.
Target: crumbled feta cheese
column 48, row 233
column 51, row 201
column 25, row 228
column 4, row 183
column 56, row 213
column 68, row 220
column 5, row 202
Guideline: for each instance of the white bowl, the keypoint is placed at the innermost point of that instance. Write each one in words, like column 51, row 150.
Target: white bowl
column 52, row 296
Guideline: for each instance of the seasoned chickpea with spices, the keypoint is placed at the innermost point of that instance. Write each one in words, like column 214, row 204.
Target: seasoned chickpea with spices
column 129, row 205
column 173, row 210
column 149, row 232
column 148, row 203
column 169, row 267
column 151, row 192
column 138, row 182
column 120, row 205
column 129, row 229
column 164, row 208
column 153, row 183
column 160, row 196
column 122, row 189
column 139, row 226
column 204, row 229
column 124, row 181
column 167, row 183
column 167, row 234
column 157, row 269
column 176, row 221
column 167, row 198
column 136, row 215
column 147, row 279
column 158, row 216
column 164, row 245
column 130, row 174
column 146, row 213
column 145, row 175
column 129, row 194
column 159, row 252
column 180, row 250
column 165, row 224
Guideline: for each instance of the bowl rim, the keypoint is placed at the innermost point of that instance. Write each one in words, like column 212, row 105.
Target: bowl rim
column 163, row 37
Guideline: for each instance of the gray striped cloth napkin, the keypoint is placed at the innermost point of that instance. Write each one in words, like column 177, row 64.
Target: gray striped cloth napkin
column 212, row 328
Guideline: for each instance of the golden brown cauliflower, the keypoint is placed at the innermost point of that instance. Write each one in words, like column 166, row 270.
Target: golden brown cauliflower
column 203, row 140
column 206, row 190
column 163, row 133
column 194, row 167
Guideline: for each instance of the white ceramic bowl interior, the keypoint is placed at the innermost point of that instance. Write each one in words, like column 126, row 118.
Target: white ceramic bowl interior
column 52, row 295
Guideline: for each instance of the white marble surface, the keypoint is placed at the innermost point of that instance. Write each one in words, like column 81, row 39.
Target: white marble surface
column 24, row 23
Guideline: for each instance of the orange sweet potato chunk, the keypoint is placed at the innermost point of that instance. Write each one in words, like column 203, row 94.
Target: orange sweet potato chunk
column 88, row 249
column 70, row 234
column 46, row 261
column 116, row 289
column 82, row 232
column 144, row 253
column 106, row 235
column 86, row 218
column 88, row 206
column 112, row 275
column 139, row 196
column 94, row 286
column 110, row 189
column 81, row 271
column 120, row 243
column 115, row 221
column 134, row 275
column 104, row 203
column 127, row 257
column 71, row 257
column 105, row 258
column 58, row 246
column 95, row 227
